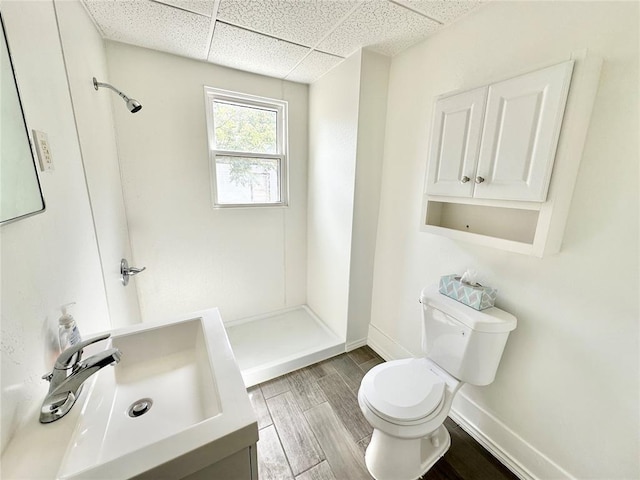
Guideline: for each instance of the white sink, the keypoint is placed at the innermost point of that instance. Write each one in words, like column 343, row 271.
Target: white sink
column 199, row 415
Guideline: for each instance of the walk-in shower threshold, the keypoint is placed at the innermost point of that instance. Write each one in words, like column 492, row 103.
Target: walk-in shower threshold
column 271, row 345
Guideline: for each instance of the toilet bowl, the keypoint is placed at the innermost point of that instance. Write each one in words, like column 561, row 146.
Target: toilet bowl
column 406, row 401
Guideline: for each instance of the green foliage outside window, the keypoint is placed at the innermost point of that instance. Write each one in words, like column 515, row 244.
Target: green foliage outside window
column 245, row 129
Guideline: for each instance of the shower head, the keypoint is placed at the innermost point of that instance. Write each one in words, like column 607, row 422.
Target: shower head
column 133, row 105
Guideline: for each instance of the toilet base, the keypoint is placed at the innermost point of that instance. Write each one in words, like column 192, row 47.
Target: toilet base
column 393, row 458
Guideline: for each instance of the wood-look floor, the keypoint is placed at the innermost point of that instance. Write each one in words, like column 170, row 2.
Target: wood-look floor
column 311, row 428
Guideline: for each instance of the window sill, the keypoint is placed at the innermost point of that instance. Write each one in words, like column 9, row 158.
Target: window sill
column 249, row 205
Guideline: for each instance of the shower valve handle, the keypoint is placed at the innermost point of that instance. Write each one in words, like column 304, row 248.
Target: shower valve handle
column 126, row 271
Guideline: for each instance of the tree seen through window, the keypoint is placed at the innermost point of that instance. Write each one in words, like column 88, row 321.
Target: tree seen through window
column 246, row 129
column 248, row 148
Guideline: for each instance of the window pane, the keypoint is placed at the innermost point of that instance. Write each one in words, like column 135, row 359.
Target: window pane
column 247, row 180
column 245, row 129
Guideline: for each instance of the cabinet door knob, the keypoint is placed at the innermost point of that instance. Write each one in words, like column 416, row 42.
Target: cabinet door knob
column 479, row 179
column 464, row 179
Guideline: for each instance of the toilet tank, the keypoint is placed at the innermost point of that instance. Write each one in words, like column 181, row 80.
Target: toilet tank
column 467, row 343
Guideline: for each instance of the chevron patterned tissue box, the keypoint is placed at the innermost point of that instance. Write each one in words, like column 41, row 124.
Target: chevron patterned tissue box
column 475, row 296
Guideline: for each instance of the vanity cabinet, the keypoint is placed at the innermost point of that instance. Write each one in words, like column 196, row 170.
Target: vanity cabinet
column 499, row 141
column 242, row 465
column 492, row 151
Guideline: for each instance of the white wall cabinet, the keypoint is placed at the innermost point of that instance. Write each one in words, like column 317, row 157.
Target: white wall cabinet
column 455, row 143
column 521, row 130
column 492, row 151
column 499, row 141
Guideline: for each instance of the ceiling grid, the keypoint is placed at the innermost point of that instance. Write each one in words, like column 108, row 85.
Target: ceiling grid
column 299, row 40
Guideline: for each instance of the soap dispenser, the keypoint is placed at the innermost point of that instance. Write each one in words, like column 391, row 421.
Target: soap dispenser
column 68, row 332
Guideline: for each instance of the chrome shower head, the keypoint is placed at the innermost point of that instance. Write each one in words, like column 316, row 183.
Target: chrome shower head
column 133, row 105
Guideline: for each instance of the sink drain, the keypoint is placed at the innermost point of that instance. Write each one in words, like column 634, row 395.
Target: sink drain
column 139, row 407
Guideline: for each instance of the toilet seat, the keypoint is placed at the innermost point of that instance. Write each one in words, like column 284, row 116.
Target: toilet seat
column 403, row 391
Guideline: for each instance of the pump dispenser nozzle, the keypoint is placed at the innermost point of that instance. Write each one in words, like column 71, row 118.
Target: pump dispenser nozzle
column 68, row 332
column 66, row 318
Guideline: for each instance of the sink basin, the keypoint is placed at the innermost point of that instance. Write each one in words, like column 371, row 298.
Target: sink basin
column 191, row 407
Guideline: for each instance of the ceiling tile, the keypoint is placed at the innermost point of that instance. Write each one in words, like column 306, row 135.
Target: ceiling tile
column 245, row 50
column 304, row 22
column 313, row 67
column 151, row 25
column 382, row 26
column 446, row 11
column 203, row 7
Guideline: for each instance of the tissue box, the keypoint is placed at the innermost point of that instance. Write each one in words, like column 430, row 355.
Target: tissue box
column 475, row 296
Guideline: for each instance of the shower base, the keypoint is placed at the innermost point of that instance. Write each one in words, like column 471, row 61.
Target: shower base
column 268, row 346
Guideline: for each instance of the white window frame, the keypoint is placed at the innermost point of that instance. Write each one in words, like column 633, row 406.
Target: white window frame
column 242, row 99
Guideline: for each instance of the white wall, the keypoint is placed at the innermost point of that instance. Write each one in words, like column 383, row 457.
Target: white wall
column 85, row 58
column 374, row 83
column 565, row 400
column 347, row 110
column 51, row 258
column 246, row 261
column 333, row 137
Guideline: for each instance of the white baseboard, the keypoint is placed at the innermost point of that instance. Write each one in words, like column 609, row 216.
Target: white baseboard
column 385, row 346
column 355, row 344
column 519, row 456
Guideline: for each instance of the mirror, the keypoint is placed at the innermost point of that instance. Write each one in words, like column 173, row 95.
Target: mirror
column 20, row 193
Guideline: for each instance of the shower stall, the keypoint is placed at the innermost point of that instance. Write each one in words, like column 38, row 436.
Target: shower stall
column 268, row 346
column 293, row 283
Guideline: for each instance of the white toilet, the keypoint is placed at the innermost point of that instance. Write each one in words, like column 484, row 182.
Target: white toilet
column 407, row 401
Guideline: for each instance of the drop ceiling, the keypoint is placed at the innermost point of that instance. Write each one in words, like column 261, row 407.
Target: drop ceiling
column 297, row 40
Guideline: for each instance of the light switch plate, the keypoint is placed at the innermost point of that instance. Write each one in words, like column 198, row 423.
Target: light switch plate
column 45, row 158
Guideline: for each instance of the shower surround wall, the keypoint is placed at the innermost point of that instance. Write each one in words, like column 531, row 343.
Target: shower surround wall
column 246, row 261
column 85, row 58
column 51, row 258
column 347, row 111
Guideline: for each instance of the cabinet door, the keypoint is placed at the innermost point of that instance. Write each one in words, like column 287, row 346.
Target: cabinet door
column 455, row 139
column 521, row 128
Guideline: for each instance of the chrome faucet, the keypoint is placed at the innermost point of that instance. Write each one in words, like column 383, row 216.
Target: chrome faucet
column 69, row 374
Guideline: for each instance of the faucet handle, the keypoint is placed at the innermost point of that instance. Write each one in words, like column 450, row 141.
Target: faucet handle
column 72, row 355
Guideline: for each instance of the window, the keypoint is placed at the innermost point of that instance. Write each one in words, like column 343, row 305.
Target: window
column 247, row 149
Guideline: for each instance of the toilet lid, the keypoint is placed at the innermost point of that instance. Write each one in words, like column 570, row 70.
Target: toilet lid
column 403, row 389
